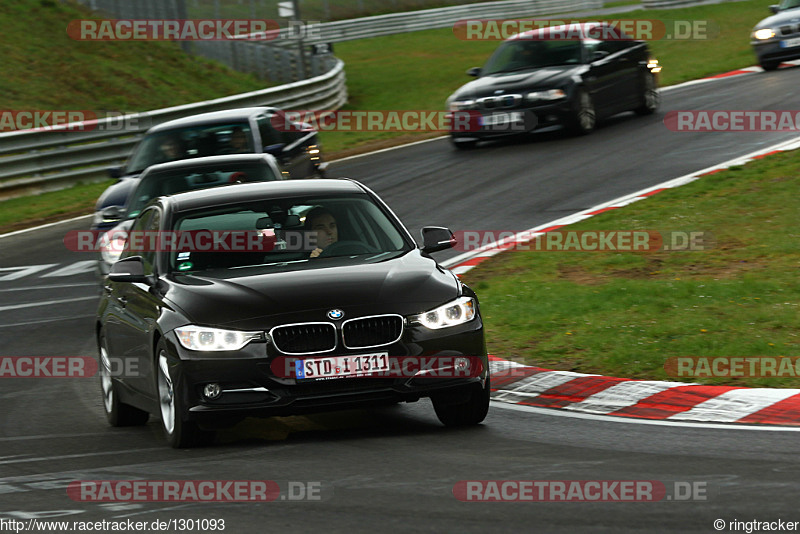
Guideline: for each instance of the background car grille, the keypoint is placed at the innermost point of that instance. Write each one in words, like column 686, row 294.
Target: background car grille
column 306, row 338
column 372, row 331
column 789, row 29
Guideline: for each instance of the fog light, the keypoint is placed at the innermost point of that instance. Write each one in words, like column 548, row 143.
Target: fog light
column 212, row 391
column 461, row 364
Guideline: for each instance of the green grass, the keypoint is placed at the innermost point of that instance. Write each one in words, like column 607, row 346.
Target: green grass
column 43, row 69
column 23, row 212
column 626, row 313
column 323, row 10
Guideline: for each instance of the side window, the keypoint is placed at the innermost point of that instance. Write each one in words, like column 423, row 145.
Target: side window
column 612, row 46
column 151, row 230
column 269, row 136
column 139, row 225
column 139, row 239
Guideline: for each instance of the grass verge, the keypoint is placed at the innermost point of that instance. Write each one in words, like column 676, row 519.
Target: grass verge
column 625, row 313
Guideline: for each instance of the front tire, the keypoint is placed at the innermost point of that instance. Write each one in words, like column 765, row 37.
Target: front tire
column 179, row 431
column 584, row 115
column 468, row 413
column 117, row 412
column 770, row 65
column 464, row 145
column 650, row 99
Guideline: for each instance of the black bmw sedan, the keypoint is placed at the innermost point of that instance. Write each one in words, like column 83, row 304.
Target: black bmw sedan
column 327, row 303
column 573, row 76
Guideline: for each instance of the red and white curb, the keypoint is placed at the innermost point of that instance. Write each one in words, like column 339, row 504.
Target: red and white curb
column 669, row 401
column 601, row 395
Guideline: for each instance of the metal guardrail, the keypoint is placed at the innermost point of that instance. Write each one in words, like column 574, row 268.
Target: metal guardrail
column 34, row 161
column 345, row 30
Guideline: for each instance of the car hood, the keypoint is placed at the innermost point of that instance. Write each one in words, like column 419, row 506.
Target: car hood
column 783, row 17
column 412, row 283
column 518, row 82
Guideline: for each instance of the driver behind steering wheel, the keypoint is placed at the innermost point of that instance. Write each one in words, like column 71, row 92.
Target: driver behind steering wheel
column 321, row 224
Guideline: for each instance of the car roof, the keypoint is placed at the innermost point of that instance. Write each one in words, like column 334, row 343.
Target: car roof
column 190, row 163
column 238, row 193
column 228, row 115
column 582, row 29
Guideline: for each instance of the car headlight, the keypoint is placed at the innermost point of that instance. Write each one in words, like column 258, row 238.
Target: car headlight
column 764, row 33
column 459, row 311
column 550, row 94
column 460, row 105
column 202, row 338
column 111, row 245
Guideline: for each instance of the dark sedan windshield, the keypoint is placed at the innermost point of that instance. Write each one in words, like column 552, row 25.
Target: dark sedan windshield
column 156, row 184
column 528, row 54
column 198, row 141
column 284, row 235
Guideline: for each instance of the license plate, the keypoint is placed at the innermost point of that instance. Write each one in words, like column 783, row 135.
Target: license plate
column 342, row 366
column 502, row 119
column 790, row 43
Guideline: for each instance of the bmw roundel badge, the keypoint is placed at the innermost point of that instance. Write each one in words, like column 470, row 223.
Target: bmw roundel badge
column 335, row 314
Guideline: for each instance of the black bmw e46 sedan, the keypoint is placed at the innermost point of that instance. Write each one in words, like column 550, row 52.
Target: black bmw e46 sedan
column 283, row 298
column 571, row 76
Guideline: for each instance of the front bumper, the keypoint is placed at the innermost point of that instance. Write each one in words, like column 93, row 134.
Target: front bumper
column 523, row 120
column 251, row 388
column 773, row 50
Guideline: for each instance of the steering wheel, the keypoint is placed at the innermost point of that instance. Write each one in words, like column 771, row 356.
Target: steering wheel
column 345, row 248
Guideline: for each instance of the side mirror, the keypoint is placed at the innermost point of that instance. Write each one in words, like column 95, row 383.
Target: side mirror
column 112, row 214
column 436, row 238
column 114, row 172
column 474, row 71
column 598, row 55
column 129, row 269
column 774, row 8
column 274, row 149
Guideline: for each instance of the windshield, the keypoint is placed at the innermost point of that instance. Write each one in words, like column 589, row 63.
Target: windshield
column 525, row 54
column 285, row 235
column 156, row 184
column 789, row 4
column 197, row 141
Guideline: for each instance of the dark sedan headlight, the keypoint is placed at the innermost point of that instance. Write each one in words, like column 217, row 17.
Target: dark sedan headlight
column 459, row 311
column 111, row 245
column 203, row 338
column 461, row 105
column 763, row 34
column 549, row 94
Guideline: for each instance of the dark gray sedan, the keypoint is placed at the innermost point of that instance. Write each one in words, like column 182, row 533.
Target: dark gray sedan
column 777, row 38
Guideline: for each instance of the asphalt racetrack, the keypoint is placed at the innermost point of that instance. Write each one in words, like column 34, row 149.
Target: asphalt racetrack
column 394, row 469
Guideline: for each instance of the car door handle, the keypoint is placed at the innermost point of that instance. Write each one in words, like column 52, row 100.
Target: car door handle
column 123, row 301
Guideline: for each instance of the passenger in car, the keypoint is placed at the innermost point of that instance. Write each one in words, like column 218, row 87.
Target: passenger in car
column 321, row 222
column 238, row 143
column 170, row 149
